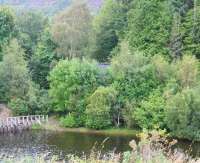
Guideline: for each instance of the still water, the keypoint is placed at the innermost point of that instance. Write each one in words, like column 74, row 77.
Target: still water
column 33, row 143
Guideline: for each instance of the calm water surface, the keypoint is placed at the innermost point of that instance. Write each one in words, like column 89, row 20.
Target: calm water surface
column 33, row 143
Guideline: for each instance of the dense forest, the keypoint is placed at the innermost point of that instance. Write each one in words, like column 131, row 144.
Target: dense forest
column 130, row 64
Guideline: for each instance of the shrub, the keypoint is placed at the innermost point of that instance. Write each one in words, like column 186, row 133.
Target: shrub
column 38, row 101
column 18, row 106
column 71, row 82
column 134, row 79
column 182, row 114
column 151, row 114
column 43, row 102
column 99, row 108
column 68, row 121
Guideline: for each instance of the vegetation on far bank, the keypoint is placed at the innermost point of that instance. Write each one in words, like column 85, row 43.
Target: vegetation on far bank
column 54, row 125
column 133, row 64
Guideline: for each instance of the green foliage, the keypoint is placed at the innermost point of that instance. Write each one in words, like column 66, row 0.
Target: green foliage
column 134, row 79
column 138, row 84
column 14, row 75
column 7, row 24
column 150, row 114
column 70, row 30
column 99, row 108
column 133, row 74
column 126, row 63
column 182, row 114
column 68, row 121
column 108, row 25
column 7, row 27
column 187, row 71
column 18, row 106
column 42, row 60
column 176, row 38
column 16, row 87
column 149, row 28
column 163, row 69
column 152, row 80
column 190, row 29
column 38, row 100
column 182, row 94
column 71, row 82
column 43, row 103
column 30, row 26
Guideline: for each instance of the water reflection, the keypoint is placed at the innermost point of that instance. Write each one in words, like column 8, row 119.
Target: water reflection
column 34, row 143
column 58, row 143
column 25, row 144
column 79, row 143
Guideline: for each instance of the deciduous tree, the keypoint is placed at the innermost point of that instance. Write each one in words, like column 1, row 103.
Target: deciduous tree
column 71, row 29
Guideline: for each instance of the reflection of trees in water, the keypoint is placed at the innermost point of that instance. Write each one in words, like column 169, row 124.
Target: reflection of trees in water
column 77, row 143
column 62, row 143
column 26, row 143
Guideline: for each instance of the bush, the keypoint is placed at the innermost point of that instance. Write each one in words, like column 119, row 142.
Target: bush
column 151, row 113
column 99, row 108
column 43, row 102
column 38, row 101
column 18, row 106
column 134, row 79
column 182, row 114
column 187, row 71
column 68, row 121
column 71, row 82
column 133, row 74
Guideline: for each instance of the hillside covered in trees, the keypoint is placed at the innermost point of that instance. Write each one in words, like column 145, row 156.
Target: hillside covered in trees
column 132, row 64
column 48, row 7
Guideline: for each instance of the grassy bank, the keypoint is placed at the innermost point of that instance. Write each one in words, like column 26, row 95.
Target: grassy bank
column 53, row 125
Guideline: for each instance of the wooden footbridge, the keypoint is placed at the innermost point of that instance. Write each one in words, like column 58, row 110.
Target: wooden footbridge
column 20, row 123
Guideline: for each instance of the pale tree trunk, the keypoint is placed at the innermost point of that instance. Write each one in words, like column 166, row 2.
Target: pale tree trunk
column 194, row 17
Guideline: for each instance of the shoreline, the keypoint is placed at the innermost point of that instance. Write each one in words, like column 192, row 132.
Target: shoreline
column 53, row 125
column 112, row 131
